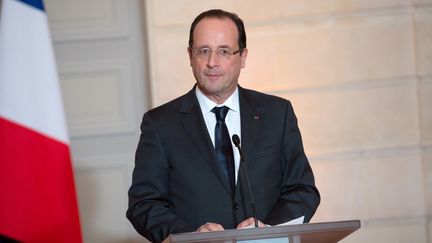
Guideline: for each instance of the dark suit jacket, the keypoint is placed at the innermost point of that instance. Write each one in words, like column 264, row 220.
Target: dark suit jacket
column 178, row 186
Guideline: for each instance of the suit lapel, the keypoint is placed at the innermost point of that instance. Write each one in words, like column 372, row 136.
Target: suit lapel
column 193, row 123
column 250, row 119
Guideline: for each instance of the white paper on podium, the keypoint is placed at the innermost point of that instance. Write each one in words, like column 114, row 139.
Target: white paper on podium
column 298, row 220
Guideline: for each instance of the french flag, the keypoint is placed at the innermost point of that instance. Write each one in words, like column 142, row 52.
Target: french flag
column 37, row 194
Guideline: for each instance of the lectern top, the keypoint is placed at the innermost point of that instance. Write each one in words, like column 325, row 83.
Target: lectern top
column 325, row 232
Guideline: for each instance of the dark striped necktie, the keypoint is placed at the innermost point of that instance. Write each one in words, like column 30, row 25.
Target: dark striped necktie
column 223, row 147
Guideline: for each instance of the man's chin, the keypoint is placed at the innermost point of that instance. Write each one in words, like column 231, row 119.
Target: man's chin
column 211, row 87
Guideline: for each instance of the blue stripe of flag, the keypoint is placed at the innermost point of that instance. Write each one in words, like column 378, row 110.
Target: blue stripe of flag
column 34, row 3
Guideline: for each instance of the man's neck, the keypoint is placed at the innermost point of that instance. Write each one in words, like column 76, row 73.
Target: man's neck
column 217, row 98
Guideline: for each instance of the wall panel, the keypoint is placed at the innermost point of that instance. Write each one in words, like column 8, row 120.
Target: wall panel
column 425, row 93
column 262, row 10
column 394, row 231
column 81, row 19
column 423, row 24
column 99, row 192
column 362, row 185
column 101, row 58
column 97, row 97
column 357, row 117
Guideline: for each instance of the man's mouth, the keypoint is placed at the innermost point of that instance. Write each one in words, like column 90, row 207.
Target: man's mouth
column 213, row 76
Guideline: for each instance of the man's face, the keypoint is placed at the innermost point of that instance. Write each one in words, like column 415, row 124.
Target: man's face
column 216, row 75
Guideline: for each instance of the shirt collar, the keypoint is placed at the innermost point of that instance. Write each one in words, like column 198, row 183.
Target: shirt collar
column 207, row 105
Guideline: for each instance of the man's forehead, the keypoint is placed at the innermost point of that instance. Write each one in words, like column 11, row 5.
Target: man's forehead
column 213, row 26
column 214, row 21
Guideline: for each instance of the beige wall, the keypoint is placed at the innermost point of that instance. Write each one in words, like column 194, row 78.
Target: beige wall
column 359, row 74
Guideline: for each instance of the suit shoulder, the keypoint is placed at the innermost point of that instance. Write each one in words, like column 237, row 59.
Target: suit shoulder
column 167, row 110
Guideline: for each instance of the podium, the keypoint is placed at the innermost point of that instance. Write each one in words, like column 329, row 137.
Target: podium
column 326, row 232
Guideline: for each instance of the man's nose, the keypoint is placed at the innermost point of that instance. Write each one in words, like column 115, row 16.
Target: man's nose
column 212, row 59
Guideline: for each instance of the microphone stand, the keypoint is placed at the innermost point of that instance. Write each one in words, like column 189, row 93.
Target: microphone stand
column 236, row 141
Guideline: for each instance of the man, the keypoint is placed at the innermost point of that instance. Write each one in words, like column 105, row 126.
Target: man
column 187, row 178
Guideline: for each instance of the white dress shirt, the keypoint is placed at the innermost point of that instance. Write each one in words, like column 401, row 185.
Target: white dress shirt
column 232, row 119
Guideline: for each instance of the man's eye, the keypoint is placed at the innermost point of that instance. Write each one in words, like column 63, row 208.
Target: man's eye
column 204, row 51
column 224, row 52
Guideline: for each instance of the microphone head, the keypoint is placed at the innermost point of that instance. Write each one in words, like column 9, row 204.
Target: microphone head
column 236, row 140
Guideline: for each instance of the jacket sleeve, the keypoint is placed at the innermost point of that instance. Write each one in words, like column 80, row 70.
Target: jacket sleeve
column 299, row 196
column 150, row 206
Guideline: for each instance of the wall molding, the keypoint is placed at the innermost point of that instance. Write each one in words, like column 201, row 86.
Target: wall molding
column 425, row 78
column 373, row 12
column 422, row 220
column 113, row 24
column 119, row 161
column 121, row 119
column 366, row 153
column 347, row 85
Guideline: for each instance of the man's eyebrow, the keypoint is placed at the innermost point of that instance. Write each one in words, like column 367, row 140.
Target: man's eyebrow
column 219, row 47
column 203, row 46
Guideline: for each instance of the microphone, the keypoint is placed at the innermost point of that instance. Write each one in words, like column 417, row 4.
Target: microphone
column 236, row 141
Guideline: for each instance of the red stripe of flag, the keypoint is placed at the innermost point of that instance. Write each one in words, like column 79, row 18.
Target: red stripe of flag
column 38, row 202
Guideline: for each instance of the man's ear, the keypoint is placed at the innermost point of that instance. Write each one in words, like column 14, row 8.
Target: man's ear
column 189, row 50
column 243, row 55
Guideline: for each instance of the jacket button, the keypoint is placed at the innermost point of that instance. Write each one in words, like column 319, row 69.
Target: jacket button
column 236, row 206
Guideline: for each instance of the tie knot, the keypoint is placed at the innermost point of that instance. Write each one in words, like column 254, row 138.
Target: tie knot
column 220, row 112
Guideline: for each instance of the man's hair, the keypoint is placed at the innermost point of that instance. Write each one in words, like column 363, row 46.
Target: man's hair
column 219, row 13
